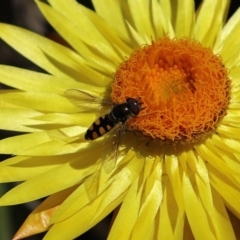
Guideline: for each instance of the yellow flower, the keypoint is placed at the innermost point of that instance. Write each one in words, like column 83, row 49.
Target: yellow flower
column 177, row 171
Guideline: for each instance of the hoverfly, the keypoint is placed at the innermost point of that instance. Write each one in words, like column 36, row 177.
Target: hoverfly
column 116, row 117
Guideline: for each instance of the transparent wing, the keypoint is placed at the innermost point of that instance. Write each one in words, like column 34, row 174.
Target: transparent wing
column 85, row 100
column 92, row 184
column 112, row 143
column 92, row 176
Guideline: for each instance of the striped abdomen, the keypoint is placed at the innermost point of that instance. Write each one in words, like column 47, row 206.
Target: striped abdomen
column 101, row 126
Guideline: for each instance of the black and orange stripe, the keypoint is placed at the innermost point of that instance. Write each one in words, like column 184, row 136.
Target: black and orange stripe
column 100, row 127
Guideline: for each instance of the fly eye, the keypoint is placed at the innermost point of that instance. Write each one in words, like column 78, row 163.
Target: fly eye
column 135, row 110
column 133, row 106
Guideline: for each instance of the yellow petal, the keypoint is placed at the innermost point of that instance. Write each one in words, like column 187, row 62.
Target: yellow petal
column 231, row 48
column 96, row 182
column 102, row 205
column 46, row 53
column 226, row 189
column 135, row 35
column 171, row 218
column 231, row 119
column 234, row 74
column 88, row 22
column 230, row 26
column 55, row 17
column 190, row 160
column 228, row 45
column 80, row 222
column 22, row 168
column 234, row 106
column 174, row 203
column 220, row 160
column 35, row 144
column 69, row 206
column 59, row 178
column 150, row 207
column 118, row 37
column 228, row 160
column 45, row 102
column 140, row 11
column 226, row 145
column 89, row 34
column 168, row 8
column 115, row 17
column 14, row 174
column 128, row 213
column 236, row 85
column 161, row 20
column 13, row 160
column 36, row 82
column 17, row 119
column 208, row 28
column 199, row 219
column 214, row 206
column 39, row 220
column 61, row 119
column 122, row 182
column 185, row 18
column 229, row 132
column 223, row 224
column 174, row 172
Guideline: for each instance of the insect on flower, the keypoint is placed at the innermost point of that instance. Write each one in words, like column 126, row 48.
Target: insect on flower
column 116, row 118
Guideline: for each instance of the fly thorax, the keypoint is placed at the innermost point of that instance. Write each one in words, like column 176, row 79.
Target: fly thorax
column 120, row 113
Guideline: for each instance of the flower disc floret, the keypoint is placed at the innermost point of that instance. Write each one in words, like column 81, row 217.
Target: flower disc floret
column 184, row 88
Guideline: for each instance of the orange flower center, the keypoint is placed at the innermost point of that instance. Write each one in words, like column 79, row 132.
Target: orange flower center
column 183, row 86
